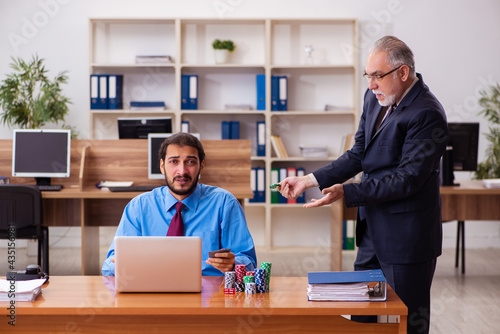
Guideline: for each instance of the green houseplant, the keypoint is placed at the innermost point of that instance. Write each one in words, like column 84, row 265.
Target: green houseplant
column 222, row 49
column 490, row 103
column 29, row 99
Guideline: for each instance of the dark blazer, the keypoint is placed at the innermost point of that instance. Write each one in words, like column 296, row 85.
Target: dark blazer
column 399, row 189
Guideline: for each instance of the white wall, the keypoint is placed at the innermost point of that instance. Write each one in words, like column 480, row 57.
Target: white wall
column 455, row 44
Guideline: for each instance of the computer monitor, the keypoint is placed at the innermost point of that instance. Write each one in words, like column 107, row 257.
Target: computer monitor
column 130, row 128
column 41, row 154
column 461, row 151
column 154, row 143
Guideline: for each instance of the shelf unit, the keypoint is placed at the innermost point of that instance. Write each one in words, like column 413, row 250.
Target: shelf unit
column 263, row 46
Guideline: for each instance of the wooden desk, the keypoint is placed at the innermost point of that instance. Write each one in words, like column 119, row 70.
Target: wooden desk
column 80, row 203
column 88, row 304
column 468, row 201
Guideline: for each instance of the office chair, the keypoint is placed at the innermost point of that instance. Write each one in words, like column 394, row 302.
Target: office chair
column 21, row 211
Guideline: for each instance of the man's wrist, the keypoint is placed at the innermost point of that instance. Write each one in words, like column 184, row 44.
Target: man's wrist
column 310, row 181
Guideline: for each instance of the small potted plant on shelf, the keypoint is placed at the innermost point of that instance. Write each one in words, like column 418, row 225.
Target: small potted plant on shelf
column 222, row 49
column 29, row 99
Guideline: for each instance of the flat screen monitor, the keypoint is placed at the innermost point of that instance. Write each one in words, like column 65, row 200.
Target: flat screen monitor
column 154, row 143
column 41, row 154
column 461, row 151
column 132, row 128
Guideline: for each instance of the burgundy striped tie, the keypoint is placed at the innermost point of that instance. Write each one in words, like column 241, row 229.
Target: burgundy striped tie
column 176, row 228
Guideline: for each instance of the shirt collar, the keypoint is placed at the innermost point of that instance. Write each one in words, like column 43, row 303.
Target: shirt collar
column 191, row 202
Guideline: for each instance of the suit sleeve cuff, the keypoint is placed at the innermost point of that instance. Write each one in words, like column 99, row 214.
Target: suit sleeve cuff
column 313, row 179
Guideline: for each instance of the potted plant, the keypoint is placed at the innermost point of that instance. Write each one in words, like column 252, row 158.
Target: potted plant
column 29, row 99
column 490, row 102
column 222, row 49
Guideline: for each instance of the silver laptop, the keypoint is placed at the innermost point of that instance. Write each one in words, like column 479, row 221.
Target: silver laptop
column 157, row 264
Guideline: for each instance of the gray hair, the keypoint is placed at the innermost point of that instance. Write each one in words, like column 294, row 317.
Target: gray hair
column 398, row 53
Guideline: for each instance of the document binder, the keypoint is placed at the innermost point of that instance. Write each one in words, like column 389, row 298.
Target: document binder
column 193, row 92
column 283, row 174
column 235, row 130
column 115, row 91
column 94, row 91
column 261, row 139
column 185, row 126
column 253, row 184
column 261, row 185
column 185, row 92
column 226, row 130
column 275, row 93
column 302, row 197
column 275, row 195
column 364, row 285
column 261, row 92
column 103, row 92
column 283, row 94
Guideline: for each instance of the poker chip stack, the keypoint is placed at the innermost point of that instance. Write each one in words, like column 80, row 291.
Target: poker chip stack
column 260, row 280
column 229, row 282
column 250, row 288
column 240, row 270
column 267, row 267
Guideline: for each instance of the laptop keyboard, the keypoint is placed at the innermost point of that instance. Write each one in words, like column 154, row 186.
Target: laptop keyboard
column 133, row 188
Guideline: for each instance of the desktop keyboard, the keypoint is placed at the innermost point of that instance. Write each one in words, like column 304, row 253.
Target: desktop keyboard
column 49, row 187
column 133, row 188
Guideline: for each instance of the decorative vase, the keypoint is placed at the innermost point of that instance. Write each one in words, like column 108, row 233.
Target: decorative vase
column 221, row 56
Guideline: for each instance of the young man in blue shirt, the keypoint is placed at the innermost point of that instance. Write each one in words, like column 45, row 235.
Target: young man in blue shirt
column 210, row 212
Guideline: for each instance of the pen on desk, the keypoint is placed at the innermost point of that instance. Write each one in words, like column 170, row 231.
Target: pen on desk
column 275, row 185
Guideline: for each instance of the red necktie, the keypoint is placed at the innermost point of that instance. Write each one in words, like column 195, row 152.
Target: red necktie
column 176, row 228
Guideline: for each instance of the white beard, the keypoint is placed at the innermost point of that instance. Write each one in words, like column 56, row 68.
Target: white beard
column 388, row 101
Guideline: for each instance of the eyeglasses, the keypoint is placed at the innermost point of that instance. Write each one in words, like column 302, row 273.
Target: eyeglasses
column 378, row 77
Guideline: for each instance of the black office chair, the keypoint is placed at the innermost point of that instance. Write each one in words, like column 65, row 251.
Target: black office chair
column 21, row 211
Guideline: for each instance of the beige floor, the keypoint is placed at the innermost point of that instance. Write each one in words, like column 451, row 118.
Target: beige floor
column 467, row 303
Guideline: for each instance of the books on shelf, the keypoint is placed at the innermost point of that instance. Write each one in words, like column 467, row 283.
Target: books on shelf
column 365, row 285
column 153, row 59
column 346, row 143
column 147, row 105
column 313, row 151
column 279, row 147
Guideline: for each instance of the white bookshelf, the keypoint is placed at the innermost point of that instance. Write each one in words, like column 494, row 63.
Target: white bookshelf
column 263, row 46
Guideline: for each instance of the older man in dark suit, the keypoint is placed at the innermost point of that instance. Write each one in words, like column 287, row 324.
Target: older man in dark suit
column 401, row 137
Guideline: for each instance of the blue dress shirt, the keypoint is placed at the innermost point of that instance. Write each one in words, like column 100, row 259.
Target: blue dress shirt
column 211, row 213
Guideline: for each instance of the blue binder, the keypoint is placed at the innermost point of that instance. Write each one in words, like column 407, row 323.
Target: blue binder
column 185, row 126
column 193, row 92
column 275, row 93
column 185, row 92
column 253, row 184
column 94, row 91
column 283, row 93
column 261, row 92
column 103, row 92
column 115, row 91
column 261, row 185
column 226, row 130
column 261, row 139
column 235, row 130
